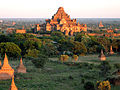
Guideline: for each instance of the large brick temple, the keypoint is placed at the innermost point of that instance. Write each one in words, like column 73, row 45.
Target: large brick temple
column 62, row 22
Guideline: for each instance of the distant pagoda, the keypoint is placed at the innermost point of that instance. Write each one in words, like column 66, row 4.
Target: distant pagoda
column 21, row 68
column 6, row 71
column 101, row 25
column 102, row 56
column 111, row 51
column 62, row 22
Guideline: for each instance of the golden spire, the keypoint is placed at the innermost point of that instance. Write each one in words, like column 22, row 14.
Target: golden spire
column 0, row 63
column 21, row 63
column 13, row 86
column 101, row 51
column 6, row 64
column 111, row 50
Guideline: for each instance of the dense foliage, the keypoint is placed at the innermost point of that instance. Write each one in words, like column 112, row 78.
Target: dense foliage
column 105, row 68
column 89, row 86
column 40, row 61
column 58, row 44
column 10, row 48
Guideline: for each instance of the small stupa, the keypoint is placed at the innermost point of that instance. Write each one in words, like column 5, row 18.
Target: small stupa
column 13, row 86
column 102, row 56
column 21, row 68
column 0, row 63
column 111, row 51
column 6, row 71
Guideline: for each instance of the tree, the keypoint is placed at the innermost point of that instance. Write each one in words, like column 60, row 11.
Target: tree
column 4, row 38
column 65, row 45
column 105, row 42
column 79, row 37
column 40, row 61
column 49, row 49
column 78, row 48
column 11, row 49
column 114, row 43
column 30, row 43
column 57, row 33
column 32, row 53
column 64, row 58
column 103, row 85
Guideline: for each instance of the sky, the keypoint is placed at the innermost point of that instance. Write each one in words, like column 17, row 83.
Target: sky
column 47, row 8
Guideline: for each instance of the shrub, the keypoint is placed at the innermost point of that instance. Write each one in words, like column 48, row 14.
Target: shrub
column 75, row 57
column 91, row 66
column 89, row 86
column 103, row 85
column 82, row 80
column 83, row 65
column 40, row 61
column 63, row 58
column 117, row 65
column 105, row 67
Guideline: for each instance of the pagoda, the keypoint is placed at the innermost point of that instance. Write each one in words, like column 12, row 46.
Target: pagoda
column 6, row 71
column 21, row 68
column 101, row 25
column 102, row 56
column 13, row 86
column 61, row 21
column 111, row 51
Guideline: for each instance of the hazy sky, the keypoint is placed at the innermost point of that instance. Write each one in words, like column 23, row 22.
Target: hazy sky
column 47, row 8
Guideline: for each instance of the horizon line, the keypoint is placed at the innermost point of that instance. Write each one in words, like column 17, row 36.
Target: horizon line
column 48, row 18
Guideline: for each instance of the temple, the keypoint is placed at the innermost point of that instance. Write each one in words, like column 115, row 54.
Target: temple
column 102, row 56
column 13, row 86
column 20, row 31
column 21, row 68
column 101, row 25
column 62, row 22
column 37, row 27
column 6, row 71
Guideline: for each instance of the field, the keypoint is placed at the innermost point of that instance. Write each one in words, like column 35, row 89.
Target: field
column 60, row 76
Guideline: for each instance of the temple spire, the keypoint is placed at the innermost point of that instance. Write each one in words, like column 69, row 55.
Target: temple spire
column 21, row 63
column 5, row 63
column 5, row 59
column 0, row 63
column 111, row 50
column 13, row 86
column 102, row 52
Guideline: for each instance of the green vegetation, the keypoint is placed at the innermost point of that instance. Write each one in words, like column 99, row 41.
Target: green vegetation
column 10, row 48
column 56, row 75
column 40, row 61
column 80, row 67
column 58, row 44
